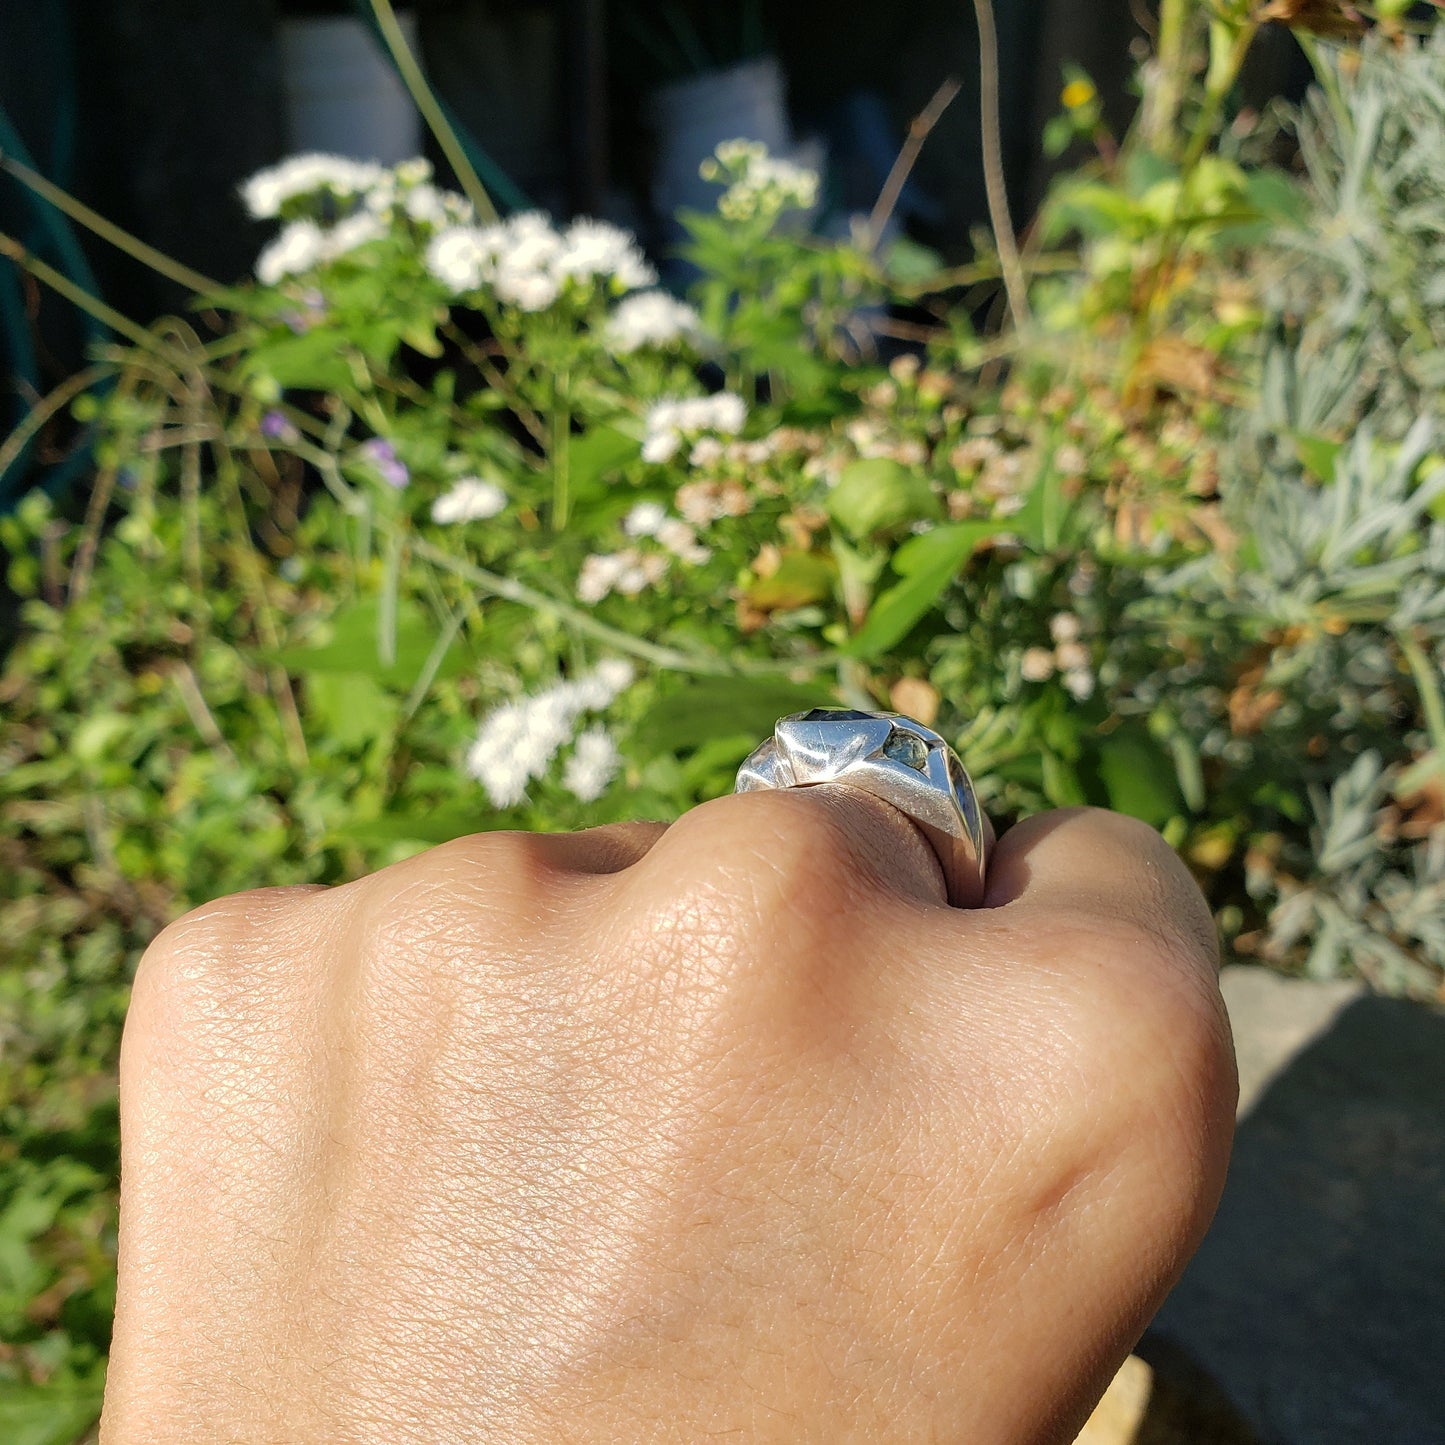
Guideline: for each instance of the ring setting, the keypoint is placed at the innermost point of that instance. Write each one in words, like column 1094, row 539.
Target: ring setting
column 895, row 759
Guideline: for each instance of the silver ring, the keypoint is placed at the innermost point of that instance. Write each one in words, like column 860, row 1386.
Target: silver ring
column 895, row 759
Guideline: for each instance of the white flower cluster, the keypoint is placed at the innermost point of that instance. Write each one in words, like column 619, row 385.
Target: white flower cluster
column 268, row 191
column 378, row 195
column 518, row 741
column 408, row 191
column 650, row 318
column 302, row 245
column 759, row 184
column 703, row 503
column 470, row 500
column 628, row 572
column 527, row 263
column 633, row 569
column 648, row 519
column 1069, row 657
column 592, row 766
column 672, row 419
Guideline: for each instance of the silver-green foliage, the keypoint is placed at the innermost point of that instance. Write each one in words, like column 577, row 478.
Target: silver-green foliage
column 1373, row 142
column 1333, row 484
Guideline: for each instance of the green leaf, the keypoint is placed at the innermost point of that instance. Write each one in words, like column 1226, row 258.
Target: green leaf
column 802, row 369
column 910, row 264
column 353, row 648
column 927, row 565
column 1317, row 455
column 311, row 361
column 430, row 826
column 1276, row 196
column 1144, row 169
column 801, row 578
column 1040, row 522
column 592, row 455
column 93, row 738
column 1090, row 207
column 350, row 707
column 877, row 494
column 55, row 1413
column 1061, row 781
column 723, row 707
column 1139, row 777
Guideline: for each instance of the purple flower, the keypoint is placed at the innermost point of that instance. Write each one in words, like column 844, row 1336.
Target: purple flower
column 275, row 427
column 382, row 455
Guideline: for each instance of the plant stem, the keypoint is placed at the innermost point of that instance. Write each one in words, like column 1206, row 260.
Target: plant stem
column 1216, row 91
column 561, row 454
column 46, row 408
column 426, row 103
column 918, row 132
column 121, row 239
column 79, row 296
column 386, row 610
column 698, row 664
column 288, row 714
column 993, row 173
column 1428, row 685
column 1159, row 124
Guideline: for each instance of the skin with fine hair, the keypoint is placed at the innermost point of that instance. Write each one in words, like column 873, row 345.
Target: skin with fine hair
column 729, row 1128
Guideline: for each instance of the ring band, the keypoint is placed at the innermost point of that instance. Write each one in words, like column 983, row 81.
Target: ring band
column 895, row 759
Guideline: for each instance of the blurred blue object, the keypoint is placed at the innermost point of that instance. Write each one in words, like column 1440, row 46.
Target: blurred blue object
column 47, row 234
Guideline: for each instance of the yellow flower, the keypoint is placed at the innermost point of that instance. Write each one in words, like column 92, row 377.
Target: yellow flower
column 1078, row 93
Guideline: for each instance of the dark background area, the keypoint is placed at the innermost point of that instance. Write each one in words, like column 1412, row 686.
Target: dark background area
column 152, row 112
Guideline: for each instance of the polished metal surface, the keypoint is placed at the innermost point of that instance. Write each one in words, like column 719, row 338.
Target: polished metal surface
column 895, row 759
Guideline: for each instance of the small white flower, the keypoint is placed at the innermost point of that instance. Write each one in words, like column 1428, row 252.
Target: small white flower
column 599, row 575
column 517, row 741
column 610, row 679
column 592, row 766
column 681, row 541
column 759, row 184
column 266, row 192
column 640, row 573
column 1080, row 684
column 425, row 204
column 414, row 172
column 644, row 519
column 526, row 288
column 673, row 418
column 1072, row 657
column 459, row 257
column 660, row 446
column 470, row 500
column 300, row 246
column 1037, row 664
column 356, row 230
column 597, row 250
column 650, row 318
column 706, row 452
column 1064, row 627
column 703, row 503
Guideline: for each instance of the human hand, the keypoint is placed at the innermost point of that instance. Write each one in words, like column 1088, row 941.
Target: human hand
column 729, row 1128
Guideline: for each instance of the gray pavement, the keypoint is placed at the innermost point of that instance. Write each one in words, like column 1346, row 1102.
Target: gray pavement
column 1317, row 1302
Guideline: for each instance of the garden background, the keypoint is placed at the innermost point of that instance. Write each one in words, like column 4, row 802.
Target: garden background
column 454, row 515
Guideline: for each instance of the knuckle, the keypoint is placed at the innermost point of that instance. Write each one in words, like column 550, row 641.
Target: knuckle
column 211, row 956
column 786, row 851
column 510, row 877
column 749, row 901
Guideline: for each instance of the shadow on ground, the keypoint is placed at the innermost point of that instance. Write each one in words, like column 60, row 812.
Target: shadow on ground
column 1317, row 1302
